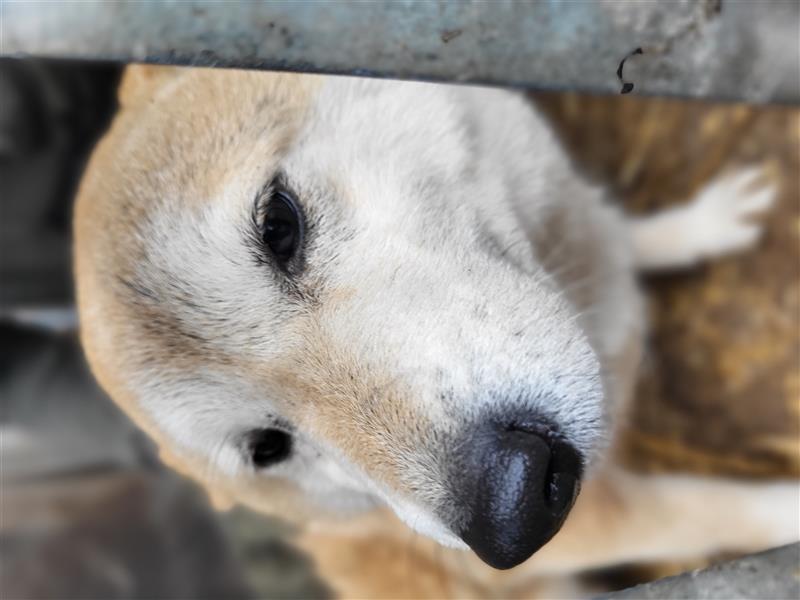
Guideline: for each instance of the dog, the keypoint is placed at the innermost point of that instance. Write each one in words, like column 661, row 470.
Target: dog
column 381, row 308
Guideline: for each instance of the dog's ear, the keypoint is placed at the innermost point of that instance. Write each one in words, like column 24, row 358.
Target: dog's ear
column 140, row 83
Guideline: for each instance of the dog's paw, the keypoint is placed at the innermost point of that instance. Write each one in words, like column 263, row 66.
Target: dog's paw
column 720, row 218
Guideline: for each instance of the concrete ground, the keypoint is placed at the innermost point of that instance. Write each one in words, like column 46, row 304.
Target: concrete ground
column 774, row 574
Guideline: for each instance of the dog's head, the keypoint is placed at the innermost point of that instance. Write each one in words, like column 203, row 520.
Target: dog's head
column 314, row 293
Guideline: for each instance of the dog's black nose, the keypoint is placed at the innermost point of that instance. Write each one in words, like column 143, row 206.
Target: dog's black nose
column 519, row 484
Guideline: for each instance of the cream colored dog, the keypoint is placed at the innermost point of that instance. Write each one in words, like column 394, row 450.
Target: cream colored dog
column 329, row 297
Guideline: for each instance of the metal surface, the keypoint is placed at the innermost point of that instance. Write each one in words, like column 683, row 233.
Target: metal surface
column 725, row 49
column 770, row 574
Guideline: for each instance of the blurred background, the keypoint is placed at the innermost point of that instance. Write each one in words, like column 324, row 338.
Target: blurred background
column 84, row 498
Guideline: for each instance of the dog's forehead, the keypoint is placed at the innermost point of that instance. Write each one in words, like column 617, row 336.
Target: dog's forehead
column 395, row 133
column 215, row 137
column 211, row 127
column 202, row 135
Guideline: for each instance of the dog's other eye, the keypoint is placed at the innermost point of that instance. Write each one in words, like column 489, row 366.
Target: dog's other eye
column 281, row 227
column 269, row 447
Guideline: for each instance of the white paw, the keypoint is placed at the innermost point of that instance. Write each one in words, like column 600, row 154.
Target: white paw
column 721, row 217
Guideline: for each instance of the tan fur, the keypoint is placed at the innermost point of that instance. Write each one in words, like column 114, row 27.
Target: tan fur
column 619, row 519
column 105, row 314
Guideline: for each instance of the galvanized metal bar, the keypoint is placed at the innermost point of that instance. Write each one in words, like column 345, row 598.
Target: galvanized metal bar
column 725, row 49
column 770, row 574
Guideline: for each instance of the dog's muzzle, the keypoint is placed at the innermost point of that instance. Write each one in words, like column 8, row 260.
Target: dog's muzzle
column 518, row 483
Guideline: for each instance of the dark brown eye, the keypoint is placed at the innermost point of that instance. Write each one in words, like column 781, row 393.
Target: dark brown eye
column 269, row 447
column 281, row 227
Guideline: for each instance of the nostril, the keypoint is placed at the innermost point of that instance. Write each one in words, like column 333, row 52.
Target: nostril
column 565, row 462
column 564, row 467
column 563, row 475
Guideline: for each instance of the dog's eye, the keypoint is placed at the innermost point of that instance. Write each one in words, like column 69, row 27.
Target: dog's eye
column 269, row 447
column 281, row 227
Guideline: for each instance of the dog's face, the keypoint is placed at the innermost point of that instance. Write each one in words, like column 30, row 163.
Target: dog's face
column 313, row 292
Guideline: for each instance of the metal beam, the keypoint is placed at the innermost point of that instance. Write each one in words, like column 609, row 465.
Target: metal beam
column 770, row 574
column 724, row 49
